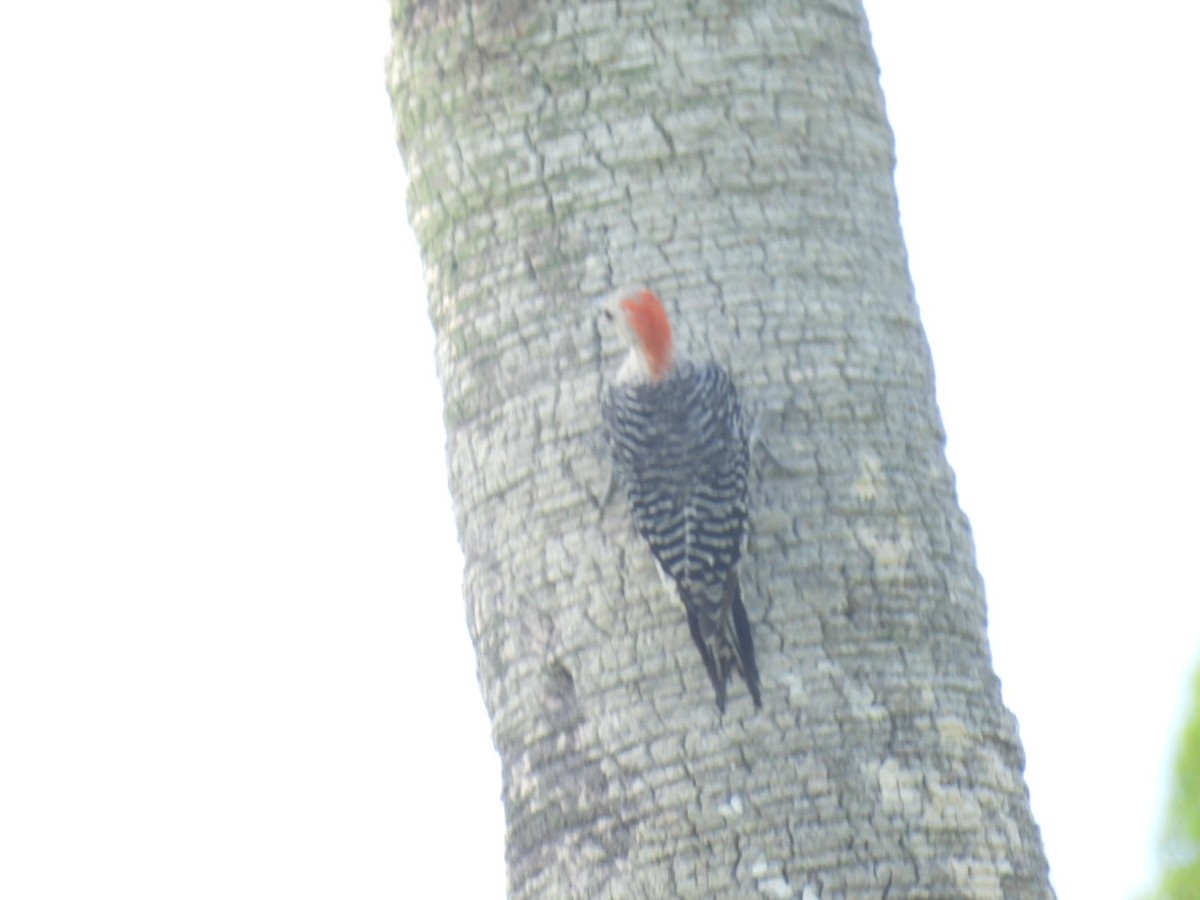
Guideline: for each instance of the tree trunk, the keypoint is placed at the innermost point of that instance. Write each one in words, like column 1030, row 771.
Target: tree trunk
column 735, row 156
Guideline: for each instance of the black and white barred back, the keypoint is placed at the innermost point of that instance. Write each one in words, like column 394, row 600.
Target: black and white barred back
column 680, row 452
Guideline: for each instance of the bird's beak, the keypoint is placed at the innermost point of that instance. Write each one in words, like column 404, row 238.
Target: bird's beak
column 600, row 306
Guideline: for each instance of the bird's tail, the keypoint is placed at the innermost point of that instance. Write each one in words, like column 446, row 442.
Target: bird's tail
column 728, row 645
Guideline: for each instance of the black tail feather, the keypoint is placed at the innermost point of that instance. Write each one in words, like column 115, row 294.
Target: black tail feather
column 729, row 647
column 746, row 663
column 719, row 679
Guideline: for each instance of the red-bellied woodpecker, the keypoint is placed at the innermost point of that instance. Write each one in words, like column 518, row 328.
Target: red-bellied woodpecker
column 680, row 452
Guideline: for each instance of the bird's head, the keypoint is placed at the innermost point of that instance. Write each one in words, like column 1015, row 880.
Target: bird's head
column 641, row 320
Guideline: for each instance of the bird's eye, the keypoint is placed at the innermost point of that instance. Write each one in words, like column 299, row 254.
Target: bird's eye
column 608, row 314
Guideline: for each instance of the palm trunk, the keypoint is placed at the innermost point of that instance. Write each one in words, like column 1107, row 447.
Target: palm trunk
column 736, row 157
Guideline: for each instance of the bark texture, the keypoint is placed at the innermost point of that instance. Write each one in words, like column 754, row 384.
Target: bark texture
column 735, row 156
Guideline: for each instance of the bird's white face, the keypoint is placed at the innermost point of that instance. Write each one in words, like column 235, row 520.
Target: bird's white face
column 611, row 310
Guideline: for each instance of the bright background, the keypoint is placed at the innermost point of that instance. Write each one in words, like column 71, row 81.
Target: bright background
column 233, row 658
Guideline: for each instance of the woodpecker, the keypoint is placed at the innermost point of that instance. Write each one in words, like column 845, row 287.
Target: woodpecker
column 680, row 453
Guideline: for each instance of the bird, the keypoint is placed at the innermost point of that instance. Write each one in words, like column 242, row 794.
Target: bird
column 681, row 454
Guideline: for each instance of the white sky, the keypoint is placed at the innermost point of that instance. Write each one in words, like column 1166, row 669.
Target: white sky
column 233, row 658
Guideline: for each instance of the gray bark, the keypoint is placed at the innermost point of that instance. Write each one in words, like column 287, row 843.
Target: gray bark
column 735, row 156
